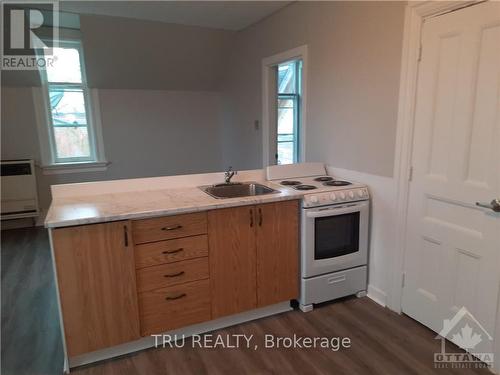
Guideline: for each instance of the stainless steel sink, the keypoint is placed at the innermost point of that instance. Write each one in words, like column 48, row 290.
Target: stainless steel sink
column 236, row 190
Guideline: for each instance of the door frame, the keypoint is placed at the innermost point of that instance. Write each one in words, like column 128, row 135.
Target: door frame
column 416, row 13
column 268, row 115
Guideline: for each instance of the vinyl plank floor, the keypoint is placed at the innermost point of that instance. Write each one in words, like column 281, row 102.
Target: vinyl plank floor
column 383, row 342
column 31, row 339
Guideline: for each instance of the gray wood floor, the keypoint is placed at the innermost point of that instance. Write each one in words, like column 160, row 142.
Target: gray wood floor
column 382, row 342
column 31, row 340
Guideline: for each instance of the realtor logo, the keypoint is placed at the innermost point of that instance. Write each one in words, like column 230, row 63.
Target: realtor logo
column 29, row 31
column 466, row 332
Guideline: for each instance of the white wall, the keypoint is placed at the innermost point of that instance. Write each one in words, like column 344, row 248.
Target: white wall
column 382, row 223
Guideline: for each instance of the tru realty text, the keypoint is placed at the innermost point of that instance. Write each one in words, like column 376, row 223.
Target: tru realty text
column 244, row 341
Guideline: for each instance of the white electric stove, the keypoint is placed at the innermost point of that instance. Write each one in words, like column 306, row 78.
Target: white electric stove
column 334, row 232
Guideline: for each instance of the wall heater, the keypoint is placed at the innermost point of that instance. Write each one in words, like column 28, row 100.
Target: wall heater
column 19, row 193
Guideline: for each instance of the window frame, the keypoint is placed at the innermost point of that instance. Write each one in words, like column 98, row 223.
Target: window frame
column 74, row 44
column 296, row 99
column 51, row 163
column 268, row 107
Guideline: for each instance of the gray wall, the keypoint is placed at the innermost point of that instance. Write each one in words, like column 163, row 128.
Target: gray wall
column 180, row 99
column 353, row 81
column 161, row 113
column 146, row 133
column 134, row 54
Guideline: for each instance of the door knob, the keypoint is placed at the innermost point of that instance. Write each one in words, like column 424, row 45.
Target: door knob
column 493, row 205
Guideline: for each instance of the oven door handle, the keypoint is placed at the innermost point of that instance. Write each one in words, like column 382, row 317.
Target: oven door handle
column 337, row 210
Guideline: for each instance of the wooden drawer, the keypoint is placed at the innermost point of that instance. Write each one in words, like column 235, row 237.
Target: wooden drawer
column 171, row 274
column 178, row 306
column 154, row 253
column 168, row 227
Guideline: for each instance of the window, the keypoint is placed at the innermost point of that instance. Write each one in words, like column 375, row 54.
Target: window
column 71, row 133
column 288, row 107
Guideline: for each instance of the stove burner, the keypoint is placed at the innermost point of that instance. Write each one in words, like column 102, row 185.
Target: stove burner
column 323, row 178
column 336, row 183
column 305, row 187
column 290, row 183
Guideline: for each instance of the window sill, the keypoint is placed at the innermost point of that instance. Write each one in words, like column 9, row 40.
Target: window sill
column 82, row 167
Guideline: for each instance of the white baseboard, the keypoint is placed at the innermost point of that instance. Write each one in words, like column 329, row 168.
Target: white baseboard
column 27, row 222
column 40, row 220
column 377, row 295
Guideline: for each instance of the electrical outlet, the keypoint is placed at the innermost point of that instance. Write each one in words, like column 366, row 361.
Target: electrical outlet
column 256, row 124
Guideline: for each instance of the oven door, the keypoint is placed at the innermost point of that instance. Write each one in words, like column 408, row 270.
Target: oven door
column 334, row 238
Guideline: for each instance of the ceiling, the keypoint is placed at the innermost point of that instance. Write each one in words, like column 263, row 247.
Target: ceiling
column 228, row 15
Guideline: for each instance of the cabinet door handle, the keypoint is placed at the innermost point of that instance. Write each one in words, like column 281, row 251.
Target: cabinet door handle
column 173, row 227
column 125, row 235
column 260, row 217
column 173, row 251
column 251, row 218
column 174, row 274
column 168, row 298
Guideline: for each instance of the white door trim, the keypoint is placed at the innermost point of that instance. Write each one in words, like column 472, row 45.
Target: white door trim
column 415, row 14
column 267, row 117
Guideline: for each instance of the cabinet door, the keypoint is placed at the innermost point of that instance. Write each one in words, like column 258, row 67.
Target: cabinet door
column 96, row 278
column 277, row 252
column 231, row 234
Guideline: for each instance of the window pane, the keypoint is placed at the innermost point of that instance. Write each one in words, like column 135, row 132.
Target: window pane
column 285, row 152
column 66, row 67
column 286, row 78
column 285, row 116
column 72, row 142
column 67, row 107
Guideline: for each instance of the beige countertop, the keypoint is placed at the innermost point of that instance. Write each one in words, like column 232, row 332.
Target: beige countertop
column 148, row 203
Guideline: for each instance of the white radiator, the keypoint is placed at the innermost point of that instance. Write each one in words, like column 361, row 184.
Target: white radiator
column 19, row 194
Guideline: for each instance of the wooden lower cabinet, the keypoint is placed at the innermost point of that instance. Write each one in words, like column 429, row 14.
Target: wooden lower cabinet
column 174, row 307
column 277, row 252
column 254, row 256
column 172, row 274
column 172, row 271
column 96, row 279
column 221, row 262
column 231, row 236
column 169, row 227
column 161, row 252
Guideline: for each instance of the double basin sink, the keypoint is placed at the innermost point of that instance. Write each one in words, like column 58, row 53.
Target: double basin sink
column 237, row 190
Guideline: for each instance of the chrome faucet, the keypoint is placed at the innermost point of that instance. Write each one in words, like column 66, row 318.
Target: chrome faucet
column 228, row 175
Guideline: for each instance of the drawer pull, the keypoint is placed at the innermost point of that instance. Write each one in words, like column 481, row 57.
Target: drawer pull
column 174, row 274
column 173, row 251
column 336, row 279
column 169, row 298
column 173, row 227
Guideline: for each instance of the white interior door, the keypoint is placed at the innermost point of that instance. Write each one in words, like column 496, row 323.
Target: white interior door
column 453, row 246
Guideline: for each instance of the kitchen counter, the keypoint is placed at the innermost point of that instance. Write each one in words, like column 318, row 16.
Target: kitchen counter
column 78, row 210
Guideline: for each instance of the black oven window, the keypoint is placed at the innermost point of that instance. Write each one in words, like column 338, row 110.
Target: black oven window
column 336, row 235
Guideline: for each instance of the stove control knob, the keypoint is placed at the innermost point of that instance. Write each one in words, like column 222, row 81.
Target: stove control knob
column 351, row 194
column 342, row 196
column 314, row 199
column 333, row 197
column 361, row 193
